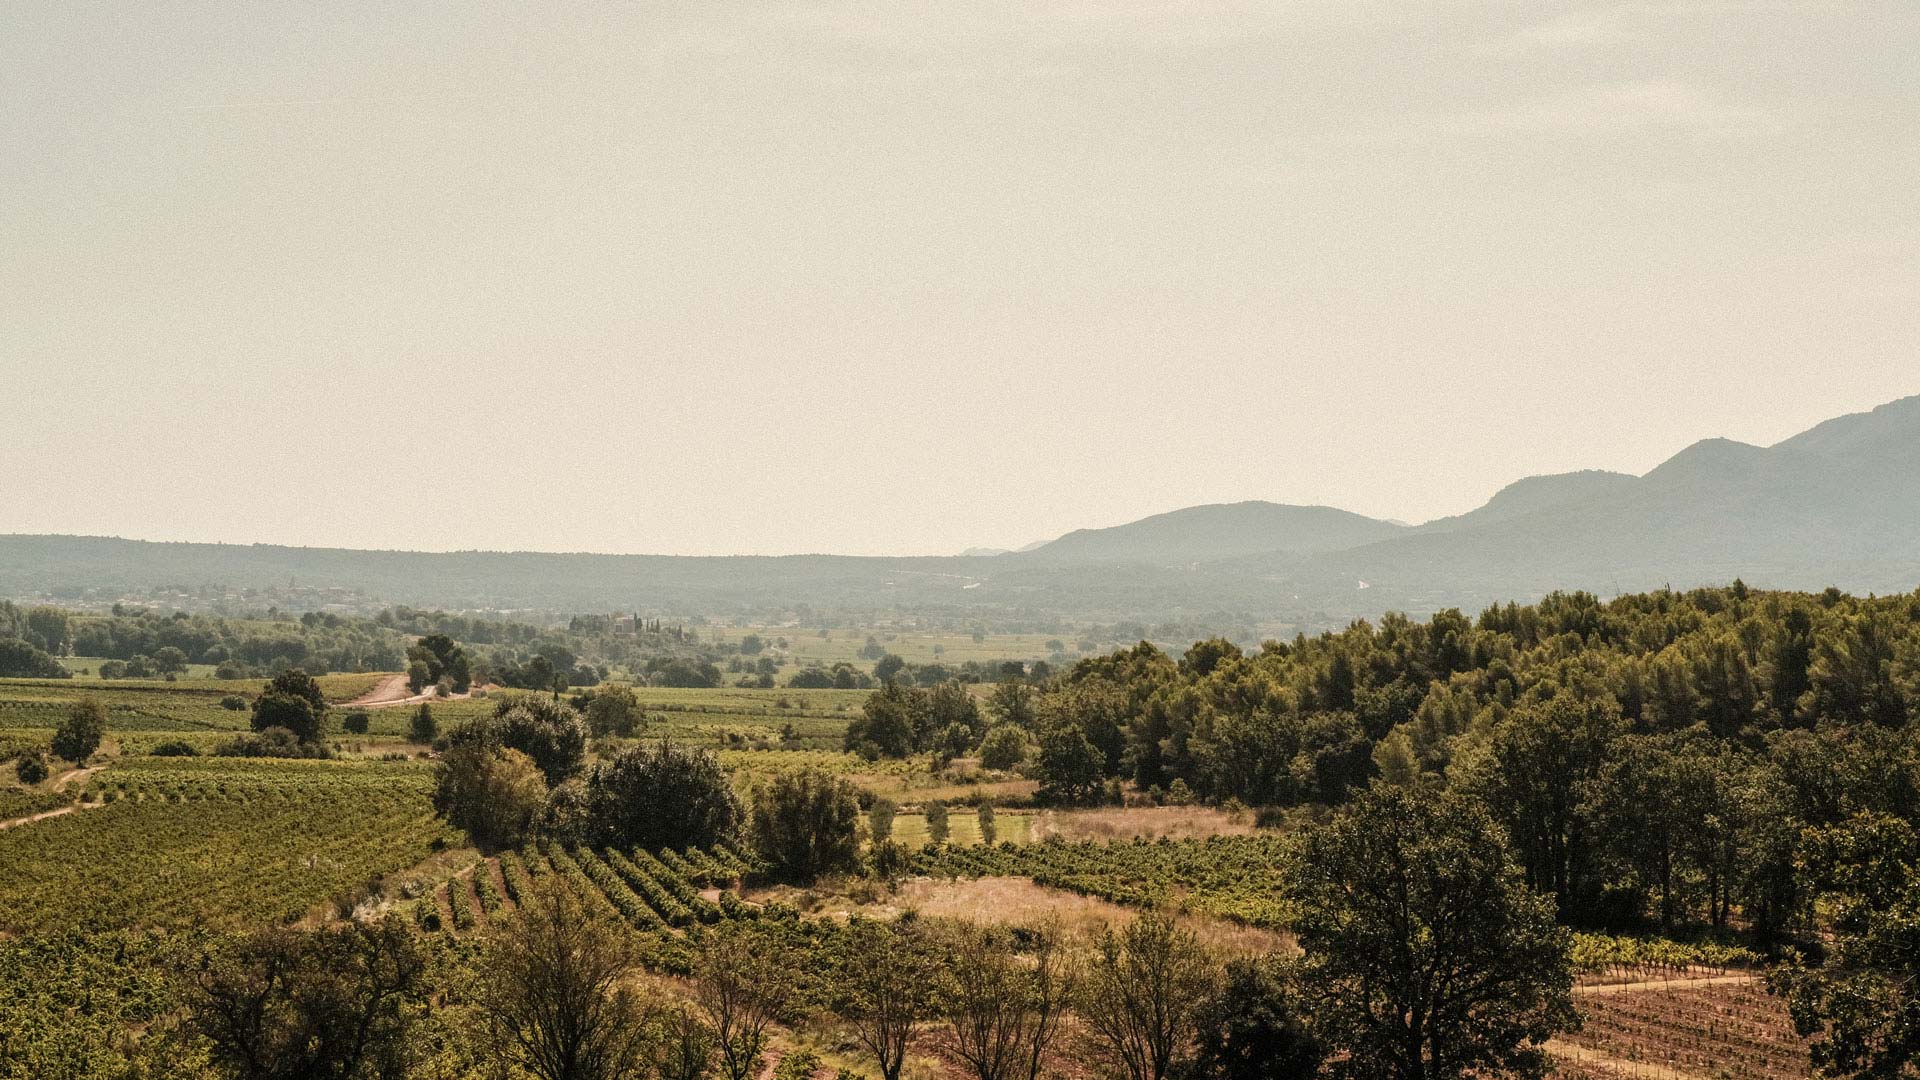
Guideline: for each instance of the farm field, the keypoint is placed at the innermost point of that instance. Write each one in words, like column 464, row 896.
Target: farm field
column 806, row 646
column 193, row 843
column 1711, row 1026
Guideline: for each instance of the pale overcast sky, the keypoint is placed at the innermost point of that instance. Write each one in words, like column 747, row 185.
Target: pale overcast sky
column 913, row 275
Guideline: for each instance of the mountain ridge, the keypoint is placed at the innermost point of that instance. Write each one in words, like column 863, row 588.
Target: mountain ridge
column 1837, row 504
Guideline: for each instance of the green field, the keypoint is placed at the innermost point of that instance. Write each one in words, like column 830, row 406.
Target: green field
column 806, row 646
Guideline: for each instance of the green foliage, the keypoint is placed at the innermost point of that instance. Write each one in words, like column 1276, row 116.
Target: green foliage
column 338, row 1002
column 421, row 726
column 806, row 823
column 295, row 702
column 31, row 767
column 1255, row 1027
column 494, row 795
column 658, row 797
column 23, row 661
column 615, row 711
column 1426, row 953
column 79, row 736
column 1005, row 748
column 1864, row 1001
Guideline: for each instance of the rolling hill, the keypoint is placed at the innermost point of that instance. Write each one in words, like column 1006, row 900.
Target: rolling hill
column 1838, row 504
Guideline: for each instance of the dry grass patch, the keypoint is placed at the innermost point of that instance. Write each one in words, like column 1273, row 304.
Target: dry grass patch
column 1152, row 822
column 999, row 901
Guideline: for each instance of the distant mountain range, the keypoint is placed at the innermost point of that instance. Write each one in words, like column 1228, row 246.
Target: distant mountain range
column 1838, row 504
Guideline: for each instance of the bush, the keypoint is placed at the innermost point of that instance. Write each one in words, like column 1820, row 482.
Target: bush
column 355, row 723
column 806, row 823
column 31, row 768
column 422, row 728
column 174, row 748
column 1004, row 748
column 798, row 1064
column 233, row 703
column 548, row 731
column 273, row 742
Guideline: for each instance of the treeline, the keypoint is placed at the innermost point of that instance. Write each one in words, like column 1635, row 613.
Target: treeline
column 1659, row 755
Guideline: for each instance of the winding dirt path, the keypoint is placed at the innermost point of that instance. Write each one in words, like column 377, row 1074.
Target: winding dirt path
column 75, row 775
column 45, row 814
column 391, row 691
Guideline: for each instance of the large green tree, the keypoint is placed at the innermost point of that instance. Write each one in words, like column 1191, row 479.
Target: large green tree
column 1427, row 957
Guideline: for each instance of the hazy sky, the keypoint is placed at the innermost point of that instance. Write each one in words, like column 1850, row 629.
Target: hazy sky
column 913, row 275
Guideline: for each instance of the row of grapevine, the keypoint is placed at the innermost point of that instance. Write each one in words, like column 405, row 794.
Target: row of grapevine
column 1232, row 877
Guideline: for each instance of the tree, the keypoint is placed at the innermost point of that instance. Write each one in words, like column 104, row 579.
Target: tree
column 806, row 823
column 752, row 645
column 1864, row 1002
column 660, row 797
column 890, row 722
column 422, row 728
column 1069, row 766
column 880, row 822
column 614, row 710
column 494, row 795
column 336, row 1003
column 1012, row 702
column 548, row 731
column 988, row 833
column 1001, row 1010
column 20, row 660
column 554, row 986
column 1004, row 748
column 1143, row 993
column 292, row 701
column 51, row 626
column 78, row 736
column 1251, row 1028
column 169, row 661
column 937, row 822
column 884, row 987
column 743, row 983
column 355, row 722
column 1542, row 780
column 419, row 675
column 1427, row 956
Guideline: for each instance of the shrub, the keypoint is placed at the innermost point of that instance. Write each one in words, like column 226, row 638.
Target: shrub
column 174, row 748
column 233, row 703
column 355, row 723
column 273, row 742
column 422, row 728
column 1004, row 748
column 31, row 768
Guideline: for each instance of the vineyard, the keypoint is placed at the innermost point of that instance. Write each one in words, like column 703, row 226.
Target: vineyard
column 1230, row 877
column 651, row 891
column 215, row 843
